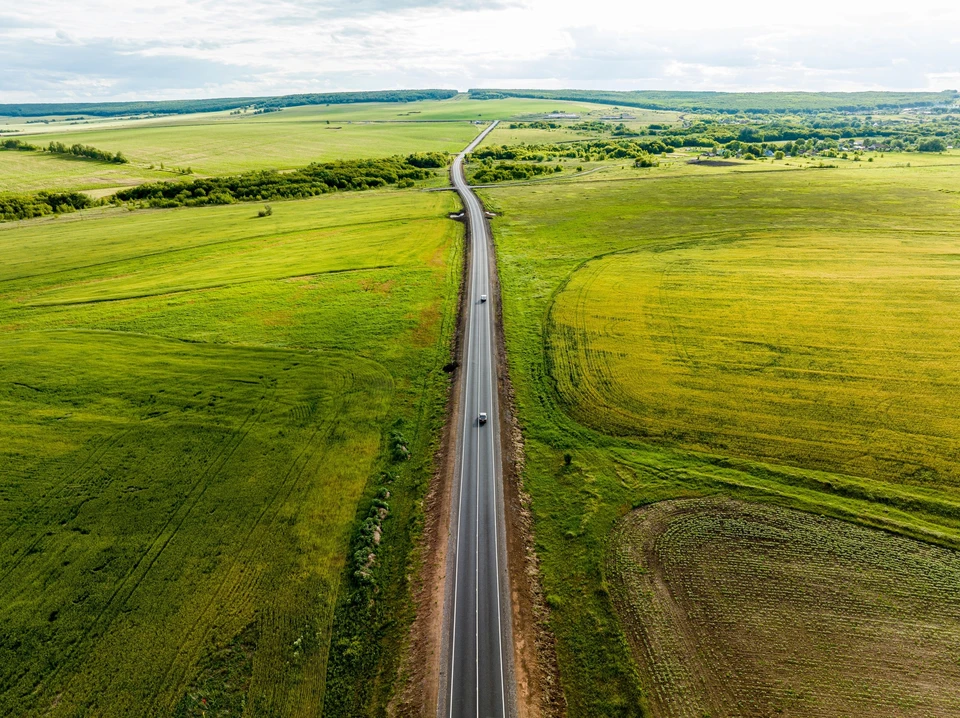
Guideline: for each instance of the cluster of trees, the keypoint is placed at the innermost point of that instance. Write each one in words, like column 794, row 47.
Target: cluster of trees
column 589, row 151
column 428, row 160
column 179, row 107
column 537, row 125
column 506, row 171
column 887, row 135
column 59, row 148
column 596, row 126
column 932, row 144
column 827, row 146
column 11, row 144
column 87, row 152
column 13, row 207
column 930, row 134
column 315, row 179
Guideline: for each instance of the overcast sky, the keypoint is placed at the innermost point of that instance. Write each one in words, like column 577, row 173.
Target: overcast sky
column 73, row 50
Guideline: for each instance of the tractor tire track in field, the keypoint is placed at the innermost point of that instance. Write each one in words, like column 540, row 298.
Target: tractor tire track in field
column 192, row 644
column 95, row 455
column 159, row 544
column 95, row 458
column 737, row 608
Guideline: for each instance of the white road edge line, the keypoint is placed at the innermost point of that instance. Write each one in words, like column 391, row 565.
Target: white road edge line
column 458, row 163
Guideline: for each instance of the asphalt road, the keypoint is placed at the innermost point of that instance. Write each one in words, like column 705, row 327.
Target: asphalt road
column 478, row 656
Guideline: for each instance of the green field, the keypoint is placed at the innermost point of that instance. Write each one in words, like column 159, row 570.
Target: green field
column 221, row 143
column 223, row 146
column 194, row 404
column 30, row 171
column 742, row 609
column 842, row 344
column 199, row 407
column 782, row 336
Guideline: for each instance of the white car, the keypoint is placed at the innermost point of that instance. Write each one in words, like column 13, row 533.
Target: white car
column 483, row 298
column 483, row 417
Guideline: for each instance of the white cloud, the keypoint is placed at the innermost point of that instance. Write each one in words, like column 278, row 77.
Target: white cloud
column 79, row 49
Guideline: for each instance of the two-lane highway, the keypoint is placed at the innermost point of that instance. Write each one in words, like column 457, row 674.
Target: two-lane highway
column 478, row 657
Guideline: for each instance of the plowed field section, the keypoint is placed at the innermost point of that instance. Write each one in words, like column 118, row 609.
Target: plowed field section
column 825, row 351
column 738, row 609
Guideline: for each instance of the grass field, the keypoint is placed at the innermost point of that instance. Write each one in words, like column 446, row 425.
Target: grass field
column 459, row 108
column 842, row 345
column 220, row 143
column 31, row 171
column 743, row 609
column 219, row 146
column 194, row 404
column 685, row 331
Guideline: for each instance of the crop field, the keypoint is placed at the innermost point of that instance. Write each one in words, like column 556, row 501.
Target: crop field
column 841, row 346
column 193, row 403
column 459, row 108
column 31, row 171
column 225, row 147
column 684, row 331
column 220, row 143
column 742, row 609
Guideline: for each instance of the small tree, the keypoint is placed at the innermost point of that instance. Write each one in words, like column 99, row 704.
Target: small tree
column 266, row 211
column 645, row 160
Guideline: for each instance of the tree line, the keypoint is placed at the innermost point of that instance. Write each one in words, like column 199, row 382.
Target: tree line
column 87, row 152
column 735, row 102
column 180, row 107
column 59, row 148
column 506, row 171
column 267, row 185
column 588, row 151
column 13, row 207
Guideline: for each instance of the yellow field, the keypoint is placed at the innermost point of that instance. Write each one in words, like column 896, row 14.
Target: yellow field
column 833, row 351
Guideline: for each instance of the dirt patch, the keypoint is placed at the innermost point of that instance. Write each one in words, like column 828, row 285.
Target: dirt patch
column 713, row 163
column 733, row 608
column 537, row 672
column 371, row 285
